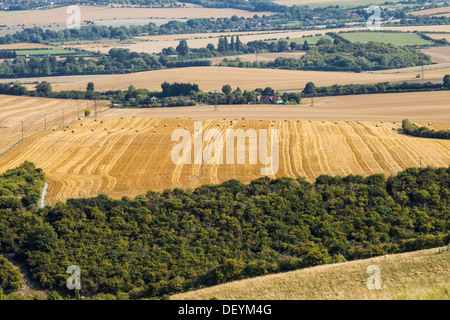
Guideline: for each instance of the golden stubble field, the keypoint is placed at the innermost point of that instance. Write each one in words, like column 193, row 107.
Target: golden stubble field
column 410, row 275
column 59, row 16
column 130, row 156
column 213, row 78
column 35, row 114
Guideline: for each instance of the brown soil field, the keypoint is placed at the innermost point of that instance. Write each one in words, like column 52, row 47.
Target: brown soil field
column 91, row 13
column 438, row 54
column 129, row 156
column 213, row 78
column 14, row 110
column 260, row 57
column 441, row 12
column 401, row 275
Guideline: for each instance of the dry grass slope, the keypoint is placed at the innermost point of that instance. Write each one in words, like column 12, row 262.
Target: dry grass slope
column 414, row 275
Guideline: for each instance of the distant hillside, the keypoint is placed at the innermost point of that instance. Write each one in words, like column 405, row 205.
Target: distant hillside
column 414, row 275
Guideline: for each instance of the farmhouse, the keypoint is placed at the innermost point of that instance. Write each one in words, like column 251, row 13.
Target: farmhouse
column 270, row 99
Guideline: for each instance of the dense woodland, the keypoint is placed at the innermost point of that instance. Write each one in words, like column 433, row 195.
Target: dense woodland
column 177, row 240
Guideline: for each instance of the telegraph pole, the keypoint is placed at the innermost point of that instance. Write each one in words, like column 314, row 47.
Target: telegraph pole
column 22, row 129
column 420, row 160
column 45, row 122
column 78, row 112
column 62, row 116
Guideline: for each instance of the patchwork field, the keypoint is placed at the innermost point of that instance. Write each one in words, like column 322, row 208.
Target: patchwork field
column 213, row 78
column 324, row 3
column 409, row 275
column 123, row 154
column 154, row 44
column 440, row 12
column 59, row 16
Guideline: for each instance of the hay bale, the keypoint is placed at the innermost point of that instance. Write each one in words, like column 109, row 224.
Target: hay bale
column 154, row 131
column 137, row 130
column 165, row 124
column 179, row 125
column 92, row 129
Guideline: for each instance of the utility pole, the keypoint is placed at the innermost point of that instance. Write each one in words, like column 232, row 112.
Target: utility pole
column 78, row 112
column 22, row 129
column 420, row 160
column 45, row 122
column 62, row 116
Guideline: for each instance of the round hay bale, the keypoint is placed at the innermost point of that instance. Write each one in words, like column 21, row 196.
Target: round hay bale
column 154, row 131
column 179, row 125
column 137, row 130
column 165, row 124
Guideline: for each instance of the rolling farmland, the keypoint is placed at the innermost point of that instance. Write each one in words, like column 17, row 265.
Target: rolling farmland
column 213, row 78
column 59, row 16
column 133, row 155
column 35, row 114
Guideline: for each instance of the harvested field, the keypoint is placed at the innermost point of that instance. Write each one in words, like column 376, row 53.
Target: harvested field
column 59, row 16
column 24, row 46
column 213, row 78
column 438, row 54
column 14, row 110
column 154, row 44
column 416, row 106
column 401, row 274
column 439, row 36
column 324, row 3
column 130, row 156
column 439, row 12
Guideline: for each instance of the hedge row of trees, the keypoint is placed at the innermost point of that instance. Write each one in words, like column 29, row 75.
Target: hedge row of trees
column 340, row 56
column 311, row 90
column 10, row 277
column 163, row 243
column 117, row 61
column 424, row 132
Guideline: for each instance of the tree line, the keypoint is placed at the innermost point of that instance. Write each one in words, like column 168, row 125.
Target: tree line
column 424, row 132
column 162, row 243
column 342, row 56
column 311, row 90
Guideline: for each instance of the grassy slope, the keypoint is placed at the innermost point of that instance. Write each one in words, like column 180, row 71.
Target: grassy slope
column 414, row 275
